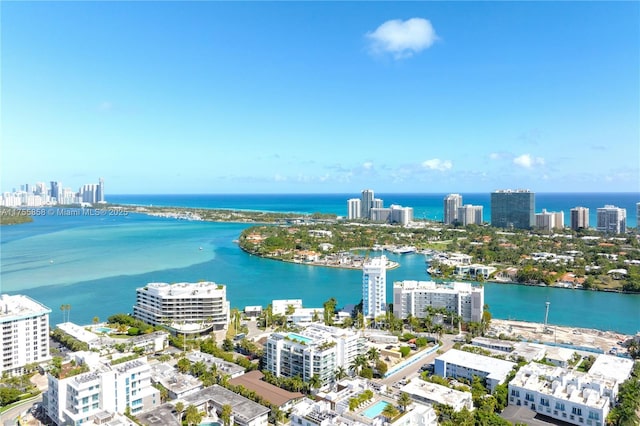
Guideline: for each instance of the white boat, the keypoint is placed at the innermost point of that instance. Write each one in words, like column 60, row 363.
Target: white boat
column 403, row 250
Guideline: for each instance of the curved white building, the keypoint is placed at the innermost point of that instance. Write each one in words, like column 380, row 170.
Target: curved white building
column 184, row 307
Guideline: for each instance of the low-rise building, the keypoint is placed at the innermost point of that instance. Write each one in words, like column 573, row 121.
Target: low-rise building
column 281, row 398
column 432, row 393
column 89, row 386
column 464, row 365
column 178, row 385
column 280, row 307
column 244, row 411
column 571, row 396
column 222, row 367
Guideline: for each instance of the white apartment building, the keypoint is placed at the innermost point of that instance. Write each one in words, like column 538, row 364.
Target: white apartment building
column 547, row 221
column 354, row 209
column 72, row 400
column 280, row 306
column 450, row 208
column 460, row 364
column 185, row 307
column 24, row 328
column 470, row 215
column 432, row 393
column 317, row 350
column 374, row 287
column 611, row 219
column 413, row 298
column 401, row 215
column 567, row 395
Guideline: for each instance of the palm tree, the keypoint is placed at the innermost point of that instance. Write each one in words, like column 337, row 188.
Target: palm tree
column 179, row 408
column 390, row 411
column 373, row 353
column 315, row 381
column 404, row 400
column 225, row 414
column 340, row 373
column 357, row 363
column 192, row 415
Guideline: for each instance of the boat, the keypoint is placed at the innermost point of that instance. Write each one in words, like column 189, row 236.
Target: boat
column 403, row 250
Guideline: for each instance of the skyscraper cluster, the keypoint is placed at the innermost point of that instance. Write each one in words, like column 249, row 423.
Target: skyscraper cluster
column 457, row 213
column 370, row 208
column 42, row 194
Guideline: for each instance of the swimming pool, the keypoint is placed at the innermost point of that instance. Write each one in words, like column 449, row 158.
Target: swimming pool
column 375, row 410
column 299, row 338
column 105, row 330
column 211, row 424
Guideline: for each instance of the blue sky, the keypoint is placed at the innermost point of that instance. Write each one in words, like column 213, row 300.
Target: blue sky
column 321, row 97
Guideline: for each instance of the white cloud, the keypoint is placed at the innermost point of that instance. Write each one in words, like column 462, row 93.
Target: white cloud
column 402, row 38
column 437, row 164
column 527, row 161
column 279, row 178
column 368, row 165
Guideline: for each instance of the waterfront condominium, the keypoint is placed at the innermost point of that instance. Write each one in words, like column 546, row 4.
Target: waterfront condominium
column 24, row 325
column 354, row 211
column 612, row 220
column 579, row 218
column 470, row 215
column 452, row 203
column 184, row 307
column 366, row 203
column 513, row 209
column 374, row 287
column 414, row 297
column 98, row 392
column 316, row 350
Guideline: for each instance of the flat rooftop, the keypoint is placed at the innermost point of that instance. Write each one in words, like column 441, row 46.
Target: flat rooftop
column 431, row 392
column 494, row 367
column 243, row 408
column 19, row 306
column 270, row 393
column 164, row 415
column 612, row 367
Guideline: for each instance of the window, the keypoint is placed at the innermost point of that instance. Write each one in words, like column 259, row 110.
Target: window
column 576, row 411
column 560, row 406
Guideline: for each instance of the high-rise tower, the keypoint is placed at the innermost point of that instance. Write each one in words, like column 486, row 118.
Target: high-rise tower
column 451, row 204
column 374, row 287
column 366, row 203
column 513, row 209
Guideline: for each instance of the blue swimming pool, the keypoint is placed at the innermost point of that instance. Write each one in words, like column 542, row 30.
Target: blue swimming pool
column 211, row 424
column 105, row 330
column 299, row 338
column 375, row 410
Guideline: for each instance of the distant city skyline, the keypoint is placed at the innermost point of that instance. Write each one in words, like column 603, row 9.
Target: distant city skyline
column 322, row 97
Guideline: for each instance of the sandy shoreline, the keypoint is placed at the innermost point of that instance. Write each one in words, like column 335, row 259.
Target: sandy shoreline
column 576, row 336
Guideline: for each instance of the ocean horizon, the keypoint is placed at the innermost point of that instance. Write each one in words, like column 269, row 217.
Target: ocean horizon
column 427, row 206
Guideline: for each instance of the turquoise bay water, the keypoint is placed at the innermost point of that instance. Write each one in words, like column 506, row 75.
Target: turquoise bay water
column 95, row 264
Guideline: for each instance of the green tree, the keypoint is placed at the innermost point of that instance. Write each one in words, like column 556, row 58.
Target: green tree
column 183, row 365
column 404, row 400
column 192, row 415
column 315, row 381
column 225, row 414
column 389, row 411
column 179, row 408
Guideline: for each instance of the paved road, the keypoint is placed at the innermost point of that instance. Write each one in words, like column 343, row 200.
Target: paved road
column 412, row 370
column 10, row 415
